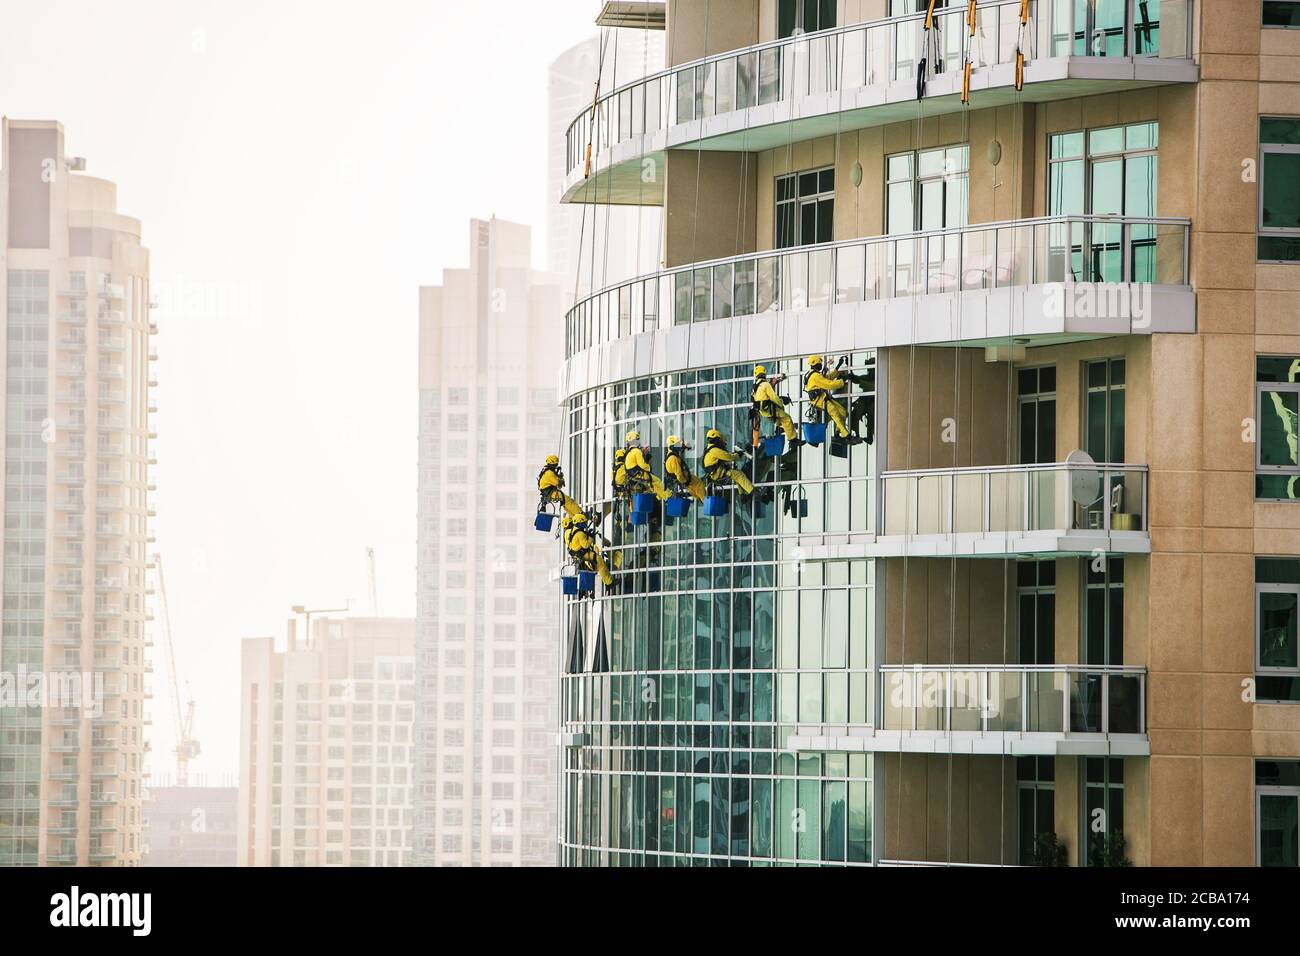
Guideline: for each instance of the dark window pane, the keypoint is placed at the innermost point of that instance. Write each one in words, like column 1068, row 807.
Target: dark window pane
column 1281, row 185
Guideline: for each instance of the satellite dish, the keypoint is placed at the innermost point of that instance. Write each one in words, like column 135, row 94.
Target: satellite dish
column 1085, row 479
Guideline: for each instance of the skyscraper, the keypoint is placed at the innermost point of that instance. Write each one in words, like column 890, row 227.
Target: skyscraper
column 73, row 647
column 1028, row 592
column 325, row 750
column 490, row 346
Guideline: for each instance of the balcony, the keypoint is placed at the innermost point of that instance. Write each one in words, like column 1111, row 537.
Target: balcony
column 1010, row 710
column 1027, row 282
column 1005, row 511
column 865, row 75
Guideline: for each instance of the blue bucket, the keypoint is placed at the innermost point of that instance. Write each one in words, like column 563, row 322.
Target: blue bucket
column 774, row 446
column 568, row 584
column 643, row 503
column 543, row 521
column 586, row 580
column 676, row 507
column 715, row 506
column 814, row 433
column 639, row 517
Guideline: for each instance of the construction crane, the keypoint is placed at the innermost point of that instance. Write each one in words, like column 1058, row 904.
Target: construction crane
column 374, row 589
column 187, row 748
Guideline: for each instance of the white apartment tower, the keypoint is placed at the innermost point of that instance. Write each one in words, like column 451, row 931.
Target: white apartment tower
column 490, row 343
column 326, row 731
column 74, row 286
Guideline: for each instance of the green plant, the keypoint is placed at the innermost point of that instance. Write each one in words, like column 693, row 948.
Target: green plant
column 1049, row 851
column 1107, row 849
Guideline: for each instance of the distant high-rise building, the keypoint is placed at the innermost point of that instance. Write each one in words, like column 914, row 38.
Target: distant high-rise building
column 491, row 340
column 325, row 745
column 74, row 283
column 191, row 826
column 611, row 243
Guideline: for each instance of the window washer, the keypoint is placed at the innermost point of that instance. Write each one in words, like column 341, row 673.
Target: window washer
column 819, row 387
column 771, row 405
column 550, row 485
column 718, row 463
column 639, row 476
column 583, row 549
column 618, row 474
column 677, row 473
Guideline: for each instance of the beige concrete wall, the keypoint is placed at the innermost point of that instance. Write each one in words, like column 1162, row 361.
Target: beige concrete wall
column 710, row 205
column 949, row 809
column 698, row 30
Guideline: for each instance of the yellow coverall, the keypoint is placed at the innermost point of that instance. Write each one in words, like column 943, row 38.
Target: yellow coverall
column 550, row 484
column 717, row 462
column 819, row 389
column 587, row 556
column 681, row 476
column 618, row 477
column 638, row 471
column 770, row 406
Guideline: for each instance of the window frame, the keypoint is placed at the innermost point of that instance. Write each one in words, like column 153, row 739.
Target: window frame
column 1261, row 388
column 797, row 202
column 1295, row 4
column 1270, row 791
column 1266, row 149
column 918, row 181
column 1270, row 588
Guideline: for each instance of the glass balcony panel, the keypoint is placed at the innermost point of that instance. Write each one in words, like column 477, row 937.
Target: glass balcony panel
column 907, row 48
column 794, row 291
column 725, row 94
column 899, row 505
column 705, row 90
column 702, row 311
column 1086, row 703
column 819, row 277
column 968, row 502
column 822, row 64
column 1045, row 705
column 853, row 50
column 1014, row 254
column 769, row 284
column 746, row 272
column 967, row 692
column 931, row 700
column 769, row 75
column 977, row 259
column 849, row 273
column 654, row 106
column 1006, row 693
column 875, row 270
column 1170, row 256
column 1006, row 501
column 746, row 80
column 879, row 54
column 1124, row 706
column 896, row 700
column 1008, row 32
column 932, row 495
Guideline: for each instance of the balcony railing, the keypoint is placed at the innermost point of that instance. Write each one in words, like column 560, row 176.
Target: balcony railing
column 1115, row 250
column 1016, row 698
column 1015, row 499
column 876, row 53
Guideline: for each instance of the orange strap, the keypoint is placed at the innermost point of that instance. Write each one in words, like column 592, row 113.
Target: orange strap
column 929, row 15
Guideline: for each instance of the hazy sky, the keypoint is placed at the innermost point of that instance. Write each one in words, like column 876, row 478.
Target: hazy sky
column 299, row 169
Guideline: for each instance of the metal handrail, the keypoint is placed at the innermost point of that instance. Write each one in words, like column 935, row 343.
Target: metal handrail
column 1033, row 466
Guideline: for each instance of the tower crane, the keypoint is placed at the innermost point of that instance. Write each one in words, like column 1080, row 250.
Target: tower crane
column 187, row 748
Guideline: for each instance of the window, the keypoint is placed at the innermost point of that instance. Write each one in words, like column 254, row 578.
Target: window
column 1279, row 188
column 1103, row 616
column 927, row 189
column 805, row 208
column 1277, row 595
column 1037, row 397
column 1036, row 790
column 1036, row 611
column 1277, row 464
column 1108, row 171
column 1282, row 13
column 1277, row 812
column 1103, row 410
column 804, row 16
column 1103, row 792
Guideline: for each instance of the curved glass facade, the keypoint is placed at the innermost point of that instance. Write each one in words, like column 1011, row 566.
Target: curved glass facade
column 684, row 682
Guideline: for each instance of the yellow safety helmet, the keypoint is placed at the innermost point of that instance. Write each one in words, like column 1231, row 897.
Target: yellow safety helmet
column 759, row 370
column 674, row 441
column 814, row 361
column 620, row 454
column 632, row 436
column 552, row 460
column 713, row 434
